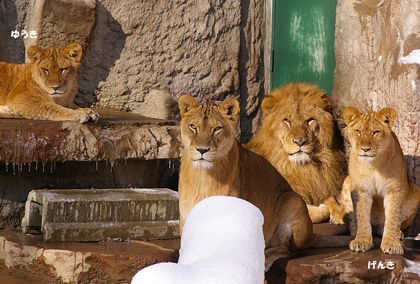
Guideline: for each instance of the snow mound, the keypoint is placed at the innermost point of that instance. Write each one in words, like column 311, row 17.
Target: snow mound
column 222, row 242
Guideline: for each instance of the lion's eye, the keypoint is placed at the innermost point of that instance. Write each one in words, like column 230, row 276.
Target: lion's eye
column 64, row 69
column 286, row 121
column 309, row 120
column 193, row 127
column 46, row 70
column 217, row 129
column 358, row 132
column 375, row 132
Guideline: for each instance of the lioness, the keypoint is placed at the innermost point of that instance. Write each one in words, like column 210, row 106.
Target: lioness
column 299, row 139
column 44, row 88
column 378, row 180
column 214, row 163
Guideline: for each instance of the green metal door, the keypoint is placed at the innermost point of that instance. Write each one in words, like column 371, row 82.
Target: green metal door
column 303, row 42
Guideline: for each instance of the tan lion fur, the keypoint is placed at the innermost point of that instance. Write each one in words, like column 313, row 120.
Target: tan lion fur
column 46, row 87
column 214, row 163
column 302, row 111
column 377, row 181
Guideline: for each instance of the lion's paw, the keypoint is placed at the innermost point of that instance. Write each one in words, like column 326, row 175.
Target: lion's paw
column 5, row 109
column 93, row 115
column 361, row 244
column 83, row 115
column 392, row 246
column 336, row 219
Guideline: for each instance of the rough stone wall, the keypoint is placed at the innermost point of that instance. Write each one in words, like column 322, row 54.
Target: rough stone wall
column 141, row 56
column 251, row 65
column 371, row 38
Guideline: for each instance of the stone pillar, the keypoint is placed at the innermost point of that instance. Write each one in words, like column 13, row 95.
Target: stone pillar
column 371, row 39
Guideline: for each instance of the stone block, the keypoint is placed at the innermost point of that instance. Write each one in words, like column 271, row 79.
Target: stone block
column 342, row 265
column 84, row 215
column 115, row 136
column 29, row 259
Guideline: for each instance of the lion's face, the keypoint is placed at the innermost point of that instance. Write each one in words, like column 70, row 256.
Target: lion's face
column 300, row 120
column 207, row 131
column 55, row 69
column 369, row 133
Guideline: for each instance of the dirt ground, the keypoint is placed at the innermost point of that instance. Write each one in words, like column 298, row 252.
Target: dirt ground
column 4, row 278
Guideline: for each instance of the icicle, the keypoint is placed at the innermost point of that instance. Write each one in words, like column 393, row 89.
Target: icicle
column 29, row 167
column 112, row 164
column 43, row 167
column 97, row 165
column 36, row 165
column 13, row 164
column 51, row 170
column 125, row 161
column 7, row 167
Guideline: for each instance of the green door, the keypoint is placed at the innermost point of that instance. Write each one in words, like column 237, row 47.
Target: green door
column 303, row 42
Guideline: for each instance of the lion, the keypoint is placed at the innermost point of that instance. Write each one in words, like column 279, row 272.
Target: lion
column 382, row 195
column 298, row 137
column 214, row 163
column 45, row 88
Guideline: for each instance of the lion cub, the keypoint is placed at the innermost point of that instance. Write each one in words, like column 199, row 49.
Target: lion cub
column 383, row 196
column 214, row 163
column 44, row 88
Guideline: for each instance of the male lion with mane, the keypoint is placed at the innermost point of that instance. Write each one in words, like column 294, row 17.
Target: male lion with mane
column 46, row 87
column 214, row 163
column 299, row 139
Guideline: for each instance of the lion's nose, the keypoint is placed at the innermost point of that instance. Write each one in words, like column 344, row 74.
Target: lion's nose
column 202, row 150
column 300, row 142
column 55, row 88
column 365, row 149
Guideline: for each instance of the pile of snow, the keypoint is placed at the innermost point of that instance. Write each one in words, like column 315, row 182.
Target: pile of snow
column 222, row 242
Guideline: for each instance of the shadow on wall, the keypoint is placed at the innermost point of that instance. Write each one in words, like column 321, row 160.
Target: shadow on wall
column 413, row 168
column 251, row 67
column 106, row 45
column 11, row 49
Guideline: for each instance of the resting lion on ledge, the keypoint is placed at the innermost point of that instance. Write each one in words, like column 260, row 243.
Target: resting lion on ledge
column 45, row 88
column 214, row 163
column 299, row 139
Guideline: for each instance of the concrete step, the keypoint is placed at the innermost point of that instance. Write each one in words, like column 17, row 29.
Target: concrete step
column 84, row 215
column 29, row 258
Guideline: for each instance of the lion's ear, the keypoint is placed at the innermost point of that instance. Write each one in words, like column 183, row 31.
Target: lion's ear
column 327, row 106
column 186, row 103
column 74, row 51
column 230, row 108
column 387, row 115
column 35, row 53
column 267, row 105
column 350, row 114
